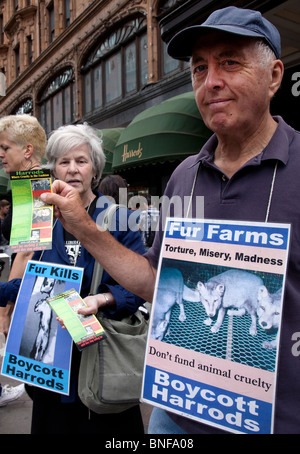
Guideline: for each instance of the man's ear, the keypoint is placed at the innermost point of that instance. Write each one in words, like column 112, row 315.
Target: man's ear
column 276, row 78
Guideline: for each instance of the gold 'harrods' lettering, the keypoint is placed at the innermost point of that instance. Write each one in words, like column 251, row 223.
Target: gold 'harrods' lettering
column 127, row 154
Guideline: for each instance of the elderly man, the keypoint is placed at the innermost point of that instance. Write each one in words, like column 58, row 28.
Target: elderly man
column 248, row 170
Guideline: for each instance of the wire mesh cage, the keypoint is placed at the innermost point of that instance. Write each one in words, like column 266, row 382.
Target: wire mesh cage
column 233, row 340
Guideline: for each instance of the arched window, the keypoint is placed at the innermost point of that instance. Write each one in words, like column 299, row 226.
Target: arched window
column 117, row 66
column 25, row 107
column 57, row 101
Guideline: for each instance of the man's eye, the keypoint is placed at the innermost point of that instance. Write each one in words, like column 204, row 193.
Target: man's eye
column 200, row 68
column 230, row 63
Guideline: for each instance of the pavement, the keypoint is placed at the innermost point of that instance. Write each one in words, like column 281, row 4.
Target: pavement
column 15, row 417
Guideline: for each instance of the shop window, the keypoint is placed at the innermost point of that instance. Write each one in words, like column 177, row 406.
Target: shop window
column 17, row 59
column 57, row 101
column 67, row 104
column 130, row 68
column 113, row 81
column 67, row 13
column 1, row 30
column 168, row 64
column 29, row 50
column 97, row 86
column 51, row 19
column 117, row 66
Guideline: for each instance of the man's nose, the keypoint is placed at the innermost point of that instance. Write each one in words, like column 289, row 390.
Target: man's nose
column 214, row 79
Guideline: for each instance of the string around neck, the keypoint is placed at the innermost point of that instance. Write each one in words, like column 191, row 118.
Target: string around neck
column 270, row 195
column 271, row 192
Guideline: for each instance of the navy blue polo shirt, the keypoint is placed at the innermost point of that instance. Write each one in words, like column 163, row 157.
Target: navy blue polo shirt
column 245, row 197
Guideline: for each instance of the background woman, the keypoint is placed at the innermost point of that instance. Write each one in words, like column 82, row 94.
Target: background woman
column 22, row 147
column 75, row 155
column 22, row 143
column 111, row 185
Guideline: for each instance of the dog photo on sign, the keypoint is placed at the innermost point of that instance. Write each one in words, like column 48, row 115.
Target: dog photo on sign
column 40, row 327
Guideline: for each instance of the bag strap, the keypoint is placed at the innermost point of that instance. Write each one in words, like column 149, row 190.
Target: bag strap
column 98, row 269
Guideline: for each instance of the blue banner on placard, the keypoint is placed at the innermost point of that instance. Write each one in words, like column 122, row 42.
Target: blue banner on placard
column 246, row 234
column 36, row 373
column 207, row 403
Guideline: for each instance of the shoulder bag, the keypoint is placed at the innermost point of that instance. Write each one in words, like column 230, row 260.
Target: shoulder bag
column 111, row 371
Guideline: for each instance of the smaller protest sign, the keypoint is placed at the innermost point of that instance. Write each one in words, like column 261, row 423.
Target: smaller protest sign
column 38, row 351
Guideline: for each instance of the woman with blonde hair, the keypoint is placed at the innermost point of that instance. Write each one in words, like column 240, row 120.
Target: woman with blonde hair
column 22, row 147
column 22, row 143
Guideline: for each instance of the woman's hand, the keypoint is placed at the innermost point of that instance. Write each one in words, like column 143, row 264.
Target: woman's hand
column 94, row 304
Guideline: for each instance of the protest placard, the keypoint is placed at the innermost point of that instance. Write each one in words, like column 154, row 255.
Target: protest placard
column 38, row 351
column 212, row 351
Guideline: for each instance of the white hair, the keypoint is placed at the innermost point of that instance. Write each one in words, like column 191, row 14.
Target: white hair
column 264, row 52
column 63, row 139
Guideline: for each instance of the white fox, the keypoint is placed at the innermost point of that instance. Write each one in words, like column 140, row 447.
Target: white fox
column 269, row 311
column 169, row 292
column 236, row 289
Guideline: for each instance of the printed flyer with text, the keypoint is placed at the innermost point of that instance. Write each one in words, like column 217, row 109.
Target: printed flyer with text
column 85, row 330
column 213, row 339
column 31, row 228
column 38, row 351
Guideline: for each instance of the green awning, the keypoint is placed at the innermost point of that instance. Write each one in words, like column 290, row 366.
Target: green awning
column 169, row 131
column 110, row 138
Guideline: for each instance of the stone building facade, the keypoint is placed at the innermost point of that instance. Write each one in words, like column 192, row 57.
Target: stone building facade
column 71, row 60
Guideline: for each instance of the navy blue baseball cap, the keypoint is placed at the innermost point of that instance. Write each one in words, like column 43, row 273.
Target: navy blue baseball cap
column 239, row 21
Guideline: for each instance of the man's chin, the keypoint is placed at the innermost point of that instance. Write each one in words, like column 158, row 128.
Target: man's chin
column 221, row 126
